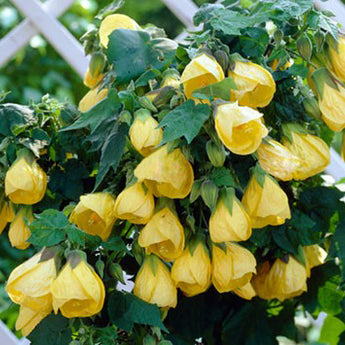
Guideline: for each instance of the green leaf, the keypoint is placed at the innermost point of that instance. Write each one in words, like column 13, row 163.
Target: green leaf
column 204, row 13
column 338, row 241
column 331, row 330
column 220, row 89
column 253, row 42
column 47, row 229
column 53, row 330
column 285, row 238
column 299, row 70
column 143, row 53
column 185, row 120
column 115, row 243
column 78, row 237
column 125, row 310
column 222, row 177
column 330, row 298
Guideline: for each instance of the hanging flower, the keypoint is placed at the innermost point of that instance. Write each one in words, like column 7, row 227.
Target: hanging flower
column 19, row 232
column 92, row 97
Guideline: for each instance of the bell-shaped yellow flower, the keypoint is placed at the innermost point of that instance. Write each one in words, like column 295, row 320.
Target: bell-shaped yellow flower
column 25, row 181
column 255, row 85
column 163, row 235
column 144, row 133
column 135, row 204
column 239, row 128
column 166, row 174
column 337, row 58
column 246, row 292
column 91, row 81
column 203, row 70
column 192, row 271
column 28, row 319
column 6, row 215
column 266, row 203
column 229, row 221
column 77, row 291
column 315, row 256
column 259, row 281
column 153, row 284
column 313, row 152
column 95, row 214
column 111, row 23
column 91, row 98
column 19, row 232
column 278, row 160
column 232, row 268
column 29, row 283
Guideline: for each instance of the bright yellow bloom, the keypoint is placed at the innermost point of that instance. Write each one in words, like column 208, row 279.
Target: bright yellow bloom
column 95, row 214
column 232, row 268
column 255, row 85
column 19, row 232
column 77, row 291
column 203, row 70
column 135, row 204
column 91, row 98
column 29, row 283
column 192, row 272
column 313, row 152
column 278, row 160
column 163, row 235
column 25, row 181
column 337, row 60
column 28, row 319
column 153, row 284
column 267, row 204
column 259, row 281
column 166, row 174
column 227, row 226
column 315, row 256
column 113, row 22
column 144, row 134
column 247, row 291
column 239, row 128
column 91, row 81
column 6, row 215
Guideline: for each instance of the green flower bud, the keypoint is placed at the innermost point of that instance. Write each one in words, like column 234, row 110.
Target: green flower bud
column 209, row 194
column 304, row 47
column 97, row 64
column 216, row 154
column 223, row 59
column 116, row 272
column 311, row 106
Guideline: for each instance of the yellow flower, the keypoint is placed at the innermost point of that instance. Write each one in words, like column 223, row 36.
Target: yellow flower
column 229, row 221
column 25, row 181
column 278, row 160
column 77, row 291
column 6, row 215
column 336, row 57
column 144, row 133
column 232, row 268
column 315, row 256
column 95, row 214
column 266, row 204
column 255, row 85
column 192, row 272
column 29, row 283
column 163, row 235
column 19, row 232
column 153, row 284
column 91, row 81
column 259, row 281
column 113, row 22
column 166, row 174
column 313, row 152
column 28, row 319
column 92, row 97
column 239, row 128
column 203, row 70
column 135, row 204
column 247, row 291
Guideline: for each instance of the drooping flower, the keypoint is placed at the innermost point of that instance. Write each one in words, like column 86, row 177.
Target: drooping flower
column 91, row 98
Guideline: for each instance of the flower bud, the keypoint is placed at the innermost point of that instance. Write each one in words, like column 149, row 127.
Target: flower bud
column 163, row 235
column 312, row 108
column 92, row 97
column 192, row 270
column 203, row 70
column 315, row 256
column 6, row 215
column 95, row 214
column 77, row 291
column 216, row 154
column 147, row 101
column 19, row 232
column 232, row 268
column 278, row 160
column 166, row 174
column 265, row 202
column 171, row 77
column 255, row 85
column 111, row 23
column 97, row 64
column 116, row 272
column 25, row 181
column 246, row 292
column 144, row 133
column 153, row 284
column 29, row 283
column 239, row 128
column 222, row 58
column 135, row 204
column 209, row 194
column 229, row 221
column 162, row 96
column 91, row 81
column 304, row 47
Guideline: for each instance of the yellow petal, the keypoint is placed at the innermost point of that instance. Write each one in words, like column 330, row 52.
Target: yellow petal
column 19, row 232
column 315, row 256
column 90, row 81
column 91, row 99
